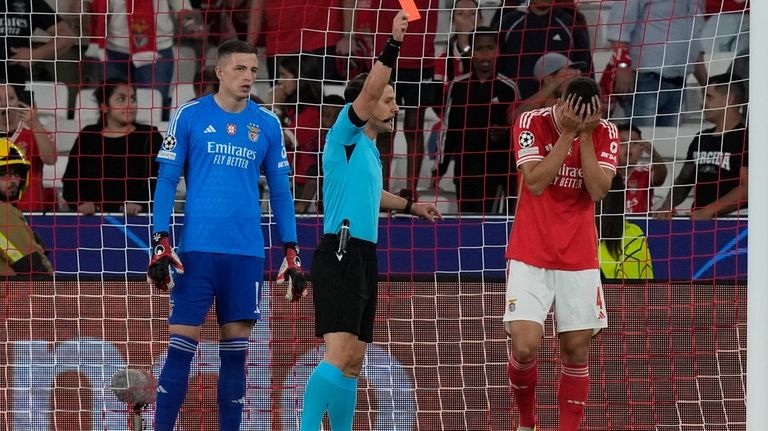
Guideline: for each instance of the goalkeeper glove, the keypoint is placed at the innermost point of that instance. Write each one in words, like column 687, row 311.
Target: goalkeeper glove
column 159, row 273
column 291, row 269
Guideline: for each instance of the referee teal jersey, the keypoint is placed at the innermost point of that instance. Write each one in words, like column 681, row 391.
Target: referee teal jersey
column 353, row 180
column 222, row 155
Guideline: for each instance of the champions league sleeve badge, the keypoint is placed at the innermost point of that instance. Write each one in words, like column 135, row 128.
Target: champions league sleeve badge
column 253, row 132
column 526, row 139
column 169, row 143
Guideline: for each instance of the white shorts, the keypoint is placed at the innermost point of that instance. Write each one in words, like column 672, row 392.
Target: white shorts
column 578, row 297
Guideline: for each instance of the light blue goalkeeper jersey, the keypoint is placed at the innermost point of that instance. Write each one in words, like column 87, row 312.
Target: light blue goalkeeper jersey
column 353, row 182
column 222, row 155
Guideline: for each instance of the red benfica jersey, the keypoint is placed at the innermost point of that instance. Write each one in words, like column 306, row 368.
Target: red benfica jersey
column 36, row 198
column 302, row 25
column 557, row 229
column 639, row 191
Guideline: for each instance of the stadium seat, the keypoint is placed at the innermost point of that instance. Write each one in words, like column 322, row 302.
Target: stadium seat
column 65, row 134
column 86, row 107
column 150, row 105
column 50, row 98
column 52, row 174
column 335, row 89
column 261, row 89
column 186, row 64
column 181, row 94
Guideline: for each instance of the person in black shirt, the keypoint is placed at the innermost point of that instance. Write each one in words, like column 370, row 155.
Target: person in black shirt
column 528, row 34
column 18, row 20
column 112, row 162
column 477, row 129
column 717, row 157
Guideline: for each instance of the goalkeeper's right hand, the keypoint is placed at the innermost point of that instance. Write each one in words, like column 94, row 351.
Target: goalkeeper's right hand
column 291, row 271
column 159, row 273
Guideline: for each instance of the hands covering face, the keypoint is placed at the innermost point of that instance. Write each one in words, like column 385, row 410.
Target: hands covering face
column 578, row 118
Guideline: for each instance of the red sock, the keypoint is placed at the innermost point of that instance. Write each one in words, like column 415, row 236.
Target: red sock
column 523, row 378
column 572, row 396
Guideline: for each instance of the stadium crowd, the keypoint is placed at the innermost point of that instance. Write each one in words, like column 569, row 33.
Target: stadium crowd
column 94, row 83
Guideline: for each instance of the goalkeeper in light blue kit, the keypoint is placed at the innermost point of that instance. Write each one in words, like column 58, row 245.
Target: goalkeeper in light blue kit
column 221, row 142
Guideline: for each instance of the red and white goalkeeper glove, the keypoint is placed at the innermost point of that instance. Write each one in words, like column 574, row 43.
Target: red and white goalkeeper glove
column 159, row 272
column 291, row 270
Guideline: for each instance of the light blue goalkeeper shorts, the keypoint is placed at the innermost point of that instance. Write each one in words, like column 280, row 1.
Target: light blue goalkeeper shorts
column 235, row 282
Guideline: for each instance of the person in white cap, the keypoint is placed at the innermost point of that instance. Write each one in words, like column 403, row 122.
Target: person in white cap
column 553, row 71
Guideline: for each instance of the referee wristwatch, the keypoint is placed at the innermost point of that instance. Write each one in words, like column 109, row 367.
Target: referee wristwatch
column 408, row 206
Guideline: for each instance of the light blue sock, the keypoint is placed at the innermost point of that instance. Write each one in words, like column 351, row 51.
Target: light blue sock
column 328, row 389
column 231, row 386
column 173, row 382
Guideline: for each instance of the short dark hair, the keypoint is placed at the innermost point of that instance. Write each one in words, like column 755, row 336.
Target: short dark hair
column 726, row 86
column 333, row 100
column 473, row 1
column 355, row 87
column 629, row 127
column 484, row 32
column 584, row 88
column 235, row 46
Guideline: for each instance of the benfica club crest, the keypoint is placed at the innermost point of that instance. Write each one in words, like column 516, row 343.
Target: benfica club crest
column 231, row 129
column 139, row 32
column 253, row 132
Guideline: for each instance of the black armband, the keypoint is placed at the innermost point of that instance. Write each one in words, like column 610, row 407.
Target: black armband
column 389, row 54
column 408, row 206
column 354, row 118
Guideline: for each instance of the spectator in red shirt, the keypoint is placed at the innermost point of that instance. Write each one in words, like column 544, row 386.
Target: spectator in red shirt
column 317, row 30
column 296, row 101
column 21, row 125
column 312, row 188
column 640, row 178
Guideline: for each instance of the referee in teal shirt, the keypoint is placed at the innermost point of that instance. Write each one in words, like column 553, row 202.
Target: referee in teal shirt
column 344, row 273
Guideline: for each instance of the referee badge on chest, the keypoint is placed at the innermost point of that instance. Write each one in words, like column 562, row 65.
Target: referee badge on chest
column 231, row 129
column 253, row 132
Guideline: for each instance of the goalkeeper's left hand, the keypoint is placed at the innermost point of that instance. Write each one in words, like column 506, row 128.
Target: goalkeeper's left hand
column 291, row 269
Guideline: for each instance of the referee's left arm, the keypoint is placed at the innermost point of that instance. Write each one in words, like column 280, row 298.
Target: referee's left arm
column 425, row 210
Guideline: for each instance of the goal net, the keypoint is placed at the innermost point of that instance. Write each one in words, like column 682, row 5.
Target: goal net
column 674, row 354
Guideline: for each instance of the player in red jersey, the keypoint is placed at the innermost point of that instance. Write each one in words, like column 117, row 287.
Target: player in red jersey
column 567, row 157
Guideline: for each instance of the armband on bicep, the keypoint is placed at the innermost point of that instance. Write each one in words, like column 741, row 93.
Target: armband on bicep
column 354, row 118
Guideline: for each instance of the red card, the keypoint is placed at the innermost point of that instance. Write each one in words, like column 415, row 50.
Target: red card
column 410, row 8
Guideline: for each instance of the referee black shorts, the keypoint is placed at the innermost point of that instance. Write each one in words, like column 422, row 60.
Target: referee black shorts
column 344, row 291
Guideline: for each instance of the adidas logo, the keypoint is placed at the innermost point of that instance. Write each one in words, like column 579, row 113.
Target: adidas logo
column 209, row 129
column 239, row 401
column 161, row 389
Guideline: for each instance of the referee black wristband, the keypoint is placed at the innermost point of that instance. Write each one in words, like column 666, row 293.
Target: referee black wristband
column 408, row 205
column 389, row 54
